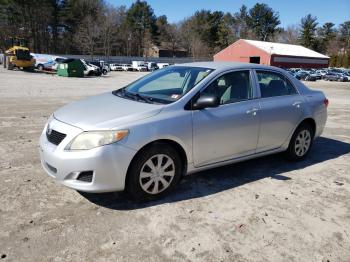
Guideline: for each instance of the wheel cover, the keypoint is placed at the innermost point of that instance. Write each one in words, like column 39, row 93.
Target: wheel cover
column 302, row 143
column 157, row 173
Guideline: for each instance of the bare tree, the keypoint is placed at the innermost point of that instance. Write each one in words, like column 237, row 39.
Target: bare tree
column 290, row 35
column 108, row 26
column 174, row 37
column 147, row 43
column 198, row 48
column 88, row 35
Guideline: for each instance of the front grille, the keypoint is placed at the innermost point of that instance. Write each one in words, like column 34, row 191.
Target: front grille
column 55, row 137
column 85, row 176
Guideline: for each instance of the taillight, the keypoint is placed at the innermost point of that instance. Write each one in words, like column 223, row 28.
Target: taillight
column 326, row 102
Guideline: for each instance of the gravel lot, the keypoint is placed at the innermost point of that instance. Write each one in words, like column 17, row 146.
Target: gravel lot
column 261, row 210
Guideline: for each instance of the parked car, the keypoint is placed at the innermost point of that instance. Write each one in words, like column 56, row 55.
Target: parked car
column 162, row 65
column 311, row 77
column 322, row 73
column 331, row 76
column 47, row 62
column 127, row 67
column 48, row 66
column 52, row 64
column 104, row 67
column 90, row 69
column 343, row 77
column 40, row 60
column 317, row 75
column 116, row 67
column 151, row 66
column 180, row 120
column 301, row 75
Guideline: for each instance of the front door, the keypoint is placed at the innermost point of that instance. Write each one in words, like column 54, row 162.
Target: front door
column 231, row 129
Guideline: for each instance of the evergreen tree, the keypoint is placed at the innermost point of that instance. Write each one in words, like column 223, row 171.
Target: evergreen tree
column 308, row 31
column 139, row 20
column 263, row 21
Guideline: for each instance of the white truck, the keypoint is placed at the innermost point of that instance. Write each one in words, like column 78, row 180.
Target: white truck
column 139, row 66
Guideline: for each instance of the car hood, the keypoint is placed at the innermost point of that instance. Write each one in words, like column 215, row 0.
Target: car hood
column 105, row 111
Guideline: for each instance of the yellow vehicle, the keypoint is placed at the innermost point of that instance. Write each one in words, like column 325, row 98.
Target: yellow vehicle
column 18, row 55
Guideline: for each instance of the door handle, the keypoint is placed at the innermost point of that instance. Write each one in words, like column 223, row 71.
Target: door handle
column 252, row 111
column 297, row 104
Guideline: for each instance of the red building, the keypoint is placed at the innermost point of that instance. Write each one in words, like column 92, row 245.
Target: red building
column 275, row 54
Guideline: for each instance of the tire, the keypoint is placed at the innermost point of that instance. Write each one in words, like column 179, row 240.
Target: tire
column 104, row 72
column 40, row 67
column 300, row 143
column 145, row 182
column 10, row 66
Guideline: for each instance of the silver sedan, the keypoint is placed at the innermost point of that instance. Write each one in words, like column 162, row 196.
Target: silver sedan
column 179, row 120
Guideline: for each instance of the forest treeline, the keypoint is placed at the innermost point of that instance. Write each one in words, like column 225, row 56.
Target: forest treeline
column 96, row 27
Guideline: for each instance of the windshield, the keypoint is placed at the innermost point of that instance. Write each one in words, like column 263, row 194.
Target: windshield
column 166, row 85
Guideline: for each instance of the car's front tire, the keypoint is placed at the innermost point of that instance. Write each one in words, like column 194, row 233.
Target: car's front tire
column 154, row 172
column 300, row 143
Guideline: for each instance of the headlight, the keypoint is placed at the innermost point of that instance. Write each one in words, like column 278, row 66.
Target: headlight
column 92, row 139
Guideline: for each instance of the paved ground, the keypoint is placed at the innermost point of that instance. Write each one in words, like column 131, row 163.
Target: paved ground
column 261, row 210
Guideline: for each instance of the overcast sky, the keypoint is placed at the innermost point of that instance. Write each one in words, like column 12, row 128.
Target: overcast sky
column 290, row 11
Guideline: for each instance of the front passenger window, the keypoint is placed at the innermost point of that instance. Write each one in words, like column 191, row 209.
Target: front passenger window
column 274, row 84
column 231, row 87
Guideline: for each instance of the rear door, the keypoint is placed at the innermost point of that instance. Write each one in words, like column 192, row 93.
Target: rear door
column 281, row 109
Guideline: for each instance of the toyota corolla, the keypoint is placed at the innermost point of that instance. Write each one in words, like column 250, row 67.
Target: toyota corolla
column 179, row 120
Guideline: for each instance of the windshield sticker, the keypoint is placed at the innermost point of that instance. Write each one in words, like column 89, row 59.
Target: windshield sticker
column 175, row 96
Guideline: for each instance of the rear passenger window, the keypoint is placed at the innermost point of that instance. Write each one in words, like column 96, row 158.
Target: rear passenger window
column 274, row 84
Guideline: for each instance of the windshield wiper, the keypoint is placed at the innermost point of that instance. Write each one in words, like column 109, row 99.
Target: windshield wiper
column 144, row 98
column 135, row 96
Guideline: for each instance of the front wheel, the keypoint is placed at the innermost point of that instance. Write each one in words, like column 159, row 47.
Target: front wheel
column 154, row 172
column 10, row 66
column 300, row 143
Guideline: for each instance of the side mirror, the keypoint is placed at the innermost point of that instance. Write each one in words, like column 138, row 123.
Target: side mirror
column 206, row 101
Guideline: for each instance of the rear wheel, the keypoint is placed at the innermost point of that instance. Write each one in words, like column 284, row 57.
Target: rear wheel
column 154, row 172
column 300, row 143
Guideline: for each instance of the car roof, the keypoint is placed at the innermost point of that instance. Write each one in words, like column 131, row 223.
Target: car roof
column 227, row 65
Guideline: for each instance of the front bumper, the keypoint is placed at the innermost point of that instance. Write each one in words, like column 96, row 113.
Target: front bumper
column 109, row 163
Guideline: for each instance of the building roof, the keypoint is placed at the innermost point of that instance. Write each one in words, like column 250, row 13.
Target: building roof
column 226, row 65
column 285, row 49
